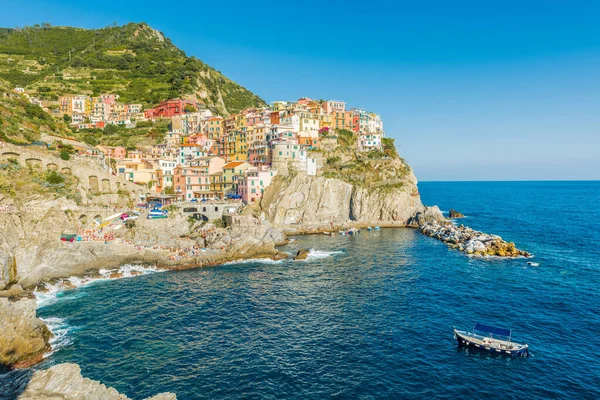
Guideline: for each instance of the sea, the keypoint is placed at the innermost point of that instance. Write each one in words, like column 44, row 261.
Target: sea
column 364, row 317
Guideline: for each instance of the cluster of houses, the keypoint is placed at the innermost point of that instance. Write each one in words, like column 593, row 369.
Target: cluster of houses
column 206, row 156
column 97, row 112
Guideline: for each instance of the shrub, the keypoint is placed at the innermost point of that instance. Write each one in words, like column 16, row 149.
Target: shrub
column 54, row 178
column 389, row 147
column 64, row 155
column 346, row 137
column 376, row 154
column 333, row 160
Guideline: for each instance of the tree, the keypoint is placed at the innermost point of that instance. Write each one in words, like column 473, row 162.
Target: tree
column 161, row 68
column 110, row 129
column 64, row 155
column 123, row 63
column 67, row 118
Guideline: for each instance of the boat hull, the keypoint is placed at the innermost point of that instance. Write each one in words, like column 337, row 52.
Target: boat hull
column 465, row 341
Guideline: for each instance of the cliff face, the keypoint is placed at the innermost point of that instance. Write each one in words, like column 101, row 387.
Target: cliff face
column 318, row 202
column 307, row 200
column 24, row 338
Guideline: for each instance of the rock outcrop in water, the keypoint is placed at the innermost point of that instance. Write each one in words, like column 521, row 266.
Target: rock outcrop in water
column 302, row 254
column 455, row 214
column 23, row 337
column 64, row 382
column 471, row 241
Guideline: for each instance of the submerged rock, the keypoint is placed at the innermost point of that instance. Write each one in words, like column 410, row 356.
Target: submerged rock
column 64, row 381
column 455, row 214
column 24, row 338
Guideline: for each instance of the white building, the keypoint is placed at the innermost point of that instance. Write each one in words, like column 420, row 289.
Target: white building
column 188, row 152
column 167, row 167
column 291, row 122
column 369, row 141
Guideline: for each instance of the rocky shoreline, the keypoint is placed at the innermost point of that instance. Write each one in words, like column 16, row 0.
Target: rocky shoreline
column 470, row 241
column 64, row 381
column 33, row 258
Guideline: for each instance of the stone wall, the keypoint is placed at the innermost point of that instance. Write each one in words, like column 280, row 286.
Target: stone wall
column 88, row 171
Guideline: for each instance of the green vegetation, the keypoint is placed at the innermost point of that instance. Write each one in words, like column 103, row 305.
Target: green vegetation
column 24, row 183
column 383, row 170
column 389, row 147
column 54, row 178
column 333, row 160
column 22, row 122
column 346, row 138
column 145, row 133
column 64, row 155
column 134, row 61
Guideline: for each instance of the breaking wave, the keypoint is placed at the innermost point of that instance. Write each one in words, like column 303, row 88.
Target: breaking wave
column 318, row 254
column 49, row 293
column 255, row 260
column 60, row 330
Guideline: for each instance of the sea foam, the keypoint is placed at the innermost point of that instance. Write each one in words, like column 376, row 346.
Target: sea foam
column 60, row 330
column 51, row 291
column 314, row 254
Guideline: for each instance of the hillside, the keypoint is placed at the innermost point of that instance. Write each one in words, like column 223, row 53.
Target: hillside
column 134, row 61
column 22, row 122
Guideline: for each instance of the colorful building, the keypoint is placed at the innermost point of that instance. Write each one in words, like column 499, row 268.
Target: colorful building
column 252, row 185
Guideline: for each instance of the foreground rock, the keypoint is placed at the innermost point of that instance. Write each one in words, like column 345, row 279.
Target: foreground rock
column 64, row 381
column 23, row 337
column 455, row 214
column 471, row 241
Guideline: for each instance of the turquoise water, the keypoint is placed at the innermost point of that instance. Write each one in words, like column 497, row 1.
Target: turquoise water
column 368, row 316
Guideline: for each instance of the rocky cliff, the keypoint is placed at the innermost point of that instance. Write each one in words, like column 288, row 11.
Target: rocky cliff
column 31, row 250
column 317, row 202
column 24, row 338
column 64, row 382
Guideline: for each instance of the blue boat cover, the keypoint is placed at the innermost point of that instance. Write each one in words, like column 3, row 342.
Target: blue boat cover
column 492, row 330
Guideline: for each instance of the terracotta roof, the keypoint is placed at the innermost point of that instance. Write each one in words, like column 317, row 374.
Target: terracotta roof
column 234, row 164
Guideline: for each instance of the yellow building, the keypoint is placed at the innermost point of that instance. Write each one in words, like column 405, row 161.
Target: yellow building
column 232, row 173
column 326, row 121
column 215, row 127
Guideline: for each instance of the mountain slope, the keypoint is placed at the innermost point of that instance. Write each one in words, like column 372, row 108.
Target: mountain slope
column 22, row 122
column 134, row 61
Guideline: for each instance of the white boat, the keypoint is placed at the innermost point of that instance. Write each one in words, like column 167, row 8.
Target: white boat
column 491, row 339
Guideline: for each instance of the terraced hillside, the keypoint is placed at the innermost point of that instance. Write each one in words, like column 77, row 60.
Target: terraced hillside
column 135, row 61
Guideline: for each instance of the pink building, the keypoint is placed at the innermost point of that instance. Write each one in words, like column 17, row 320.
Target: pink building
column 120, row 152
column 254, row 182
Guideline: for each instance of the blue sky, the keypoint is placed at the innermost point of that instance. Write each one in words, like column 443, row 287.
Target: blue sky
column 471, row 90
